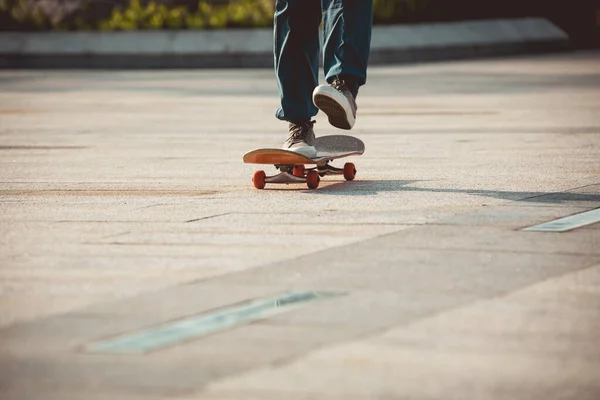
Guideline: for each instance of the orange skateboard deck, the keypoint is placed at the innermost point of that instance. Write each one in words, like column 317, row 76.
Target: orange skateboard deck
column 292, row 165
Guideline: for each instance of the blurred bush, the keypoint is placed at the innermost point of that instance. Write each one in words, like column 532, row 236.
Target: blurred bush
column 134, row 15
column 238, row 13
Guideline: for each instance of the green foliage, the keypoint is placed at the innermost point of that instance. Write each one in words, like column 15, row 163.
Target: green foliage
column 250, row 13
column 384, row 9
column 139, row 15
column 150, row 16
column 394, row 11
column 23, row 13
column 47, row 14
column 207, row 15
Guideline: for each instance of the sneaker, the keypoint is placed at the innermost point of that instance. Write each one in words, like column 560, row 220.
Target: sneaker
column 337, row 102
column 301, row 139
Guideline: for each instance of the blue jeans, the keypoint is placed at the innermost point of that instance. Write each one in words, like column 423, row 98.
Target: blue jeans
column 347, row 42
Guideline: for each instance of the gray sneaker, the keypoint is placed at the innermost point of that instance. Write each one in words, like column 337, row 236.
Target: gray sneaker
column 337, row 102
column 301, row 139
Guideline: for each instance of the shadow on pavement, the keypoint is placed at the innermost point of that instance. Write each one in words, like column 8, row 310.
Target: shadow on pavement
column 372, row 187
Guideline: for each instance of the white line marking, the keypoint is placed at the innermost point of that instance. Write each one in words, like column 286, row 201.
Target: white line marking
column 173, row 332
column 568, row 223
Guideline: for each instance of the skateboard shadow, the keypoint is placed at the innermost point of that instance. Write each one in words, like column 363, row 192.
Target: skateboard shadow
column 372, row 187
column 362, row 187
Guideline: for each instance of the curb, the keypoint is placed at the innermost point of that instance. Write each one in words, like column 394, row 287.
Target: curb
column 253, row 47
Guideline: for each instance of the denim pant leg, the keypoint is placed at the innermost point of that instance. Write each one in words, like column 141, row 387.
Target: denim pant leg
column 347, row 32
column 296, row 50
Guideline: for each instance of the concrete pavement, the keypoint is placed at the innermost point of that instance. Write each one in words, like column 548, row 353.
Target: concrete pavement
column 126, row 210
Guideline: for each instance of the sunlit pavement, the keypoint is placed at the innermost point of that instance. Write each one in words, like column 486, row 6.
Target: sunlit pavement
column 138, row 261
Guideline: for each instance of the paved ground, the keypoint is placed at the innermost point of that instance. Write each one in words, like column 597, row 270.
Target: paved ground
column 124, row 205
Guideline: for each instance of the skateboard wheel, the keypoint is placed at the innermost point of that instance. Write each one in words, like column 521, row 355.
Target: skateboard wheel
column 298, row 171
column 349, row 171
column 312, row 179
column 259, row 179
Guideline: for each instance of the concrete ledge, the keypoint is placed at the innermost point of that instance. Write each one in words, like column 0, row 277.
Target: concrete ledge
column 253, row 47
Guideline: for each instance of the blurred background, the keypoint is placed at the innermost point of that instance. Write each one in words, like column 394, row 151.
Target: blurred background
column 579, row 18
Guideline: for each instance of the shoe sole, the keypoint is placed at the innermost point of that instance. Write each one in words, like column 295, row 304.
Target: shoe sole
column 338, row 116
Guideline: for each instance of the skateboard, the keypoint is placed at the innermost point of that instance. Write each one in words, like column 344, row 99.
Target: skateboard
column 292, row 165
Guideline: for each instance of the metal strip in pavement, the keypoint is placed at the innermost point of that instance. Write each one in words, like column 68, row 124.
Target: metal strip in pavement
column 568, row 223
column 196, row 326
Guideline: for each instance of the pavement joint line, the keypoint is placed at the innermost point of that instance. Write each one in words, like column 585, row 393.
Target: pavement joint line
column 568, row 223
column 151, row 206
column 115, row 235
column 182, row 244
column 567, row 191
column 173, row 332
column 512, row 204
column 23, row 147
column 203, row 218
column 489, row 251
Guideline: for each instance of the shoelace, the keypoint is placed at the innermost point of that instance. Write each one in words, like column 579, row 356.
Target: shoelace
column 297, row 131
column 339, row 84
column 343, row 87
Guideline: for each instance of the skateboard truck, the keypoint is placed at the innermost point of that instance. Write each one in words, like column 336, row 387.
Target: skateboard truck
column 328, row 169
column 298, row 173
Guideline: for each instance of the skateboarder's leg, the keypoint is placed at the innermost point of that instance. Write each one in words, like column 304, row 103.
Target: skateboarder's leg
column 296, row 51
column 347, row 31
